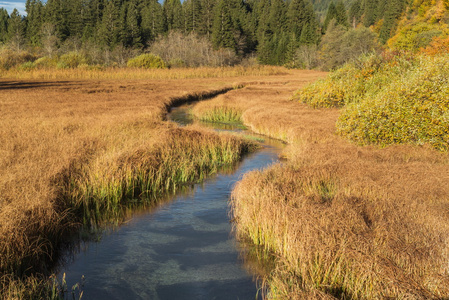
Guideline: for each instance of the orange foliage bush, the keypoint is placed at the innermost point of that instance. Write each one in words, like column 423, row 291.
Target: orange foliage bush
column 439, row 45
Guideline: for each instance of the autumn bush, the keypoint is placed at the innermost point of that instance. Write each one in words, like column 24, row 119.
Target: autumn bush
column 414, row 108
column 353, row 80
column 10, row 58
column 72, row 60
column 147, row 61
column 45, row 62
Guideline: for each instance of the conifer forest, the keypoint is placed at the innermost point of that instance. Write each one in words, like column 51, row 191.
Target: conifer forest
column 275, row 32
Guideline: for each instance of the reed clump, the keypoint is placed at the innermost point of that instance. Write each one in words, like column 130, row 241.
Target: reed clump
column 217, row 111
column 337, row 237
column 144, row 174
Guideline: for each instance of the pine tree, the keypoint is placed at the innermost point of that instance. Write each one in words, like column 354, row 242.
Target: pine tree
column 261, row 14
column 308, row 35
column 4, row 20
column 393, row 10
column 92, row 19
column 192, row 15
column 76, row 17
column 277, row 18
column 206, row 20
column 355, row 13
column 34, row 20
column 56, row 13
column 174, row 18
column 109, row 28
column 341, row 17
column 16, row 30
column 301, row 15
column 230, row 29
column 152, row 20
column 369, row 12
column 132, row 33
column 222, row 31
column 331, row 15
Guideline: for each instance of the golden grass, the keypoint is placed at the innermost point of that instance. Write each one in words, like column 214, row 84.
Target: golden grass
column 343, row 221
column 83, row 146
column 90, row 72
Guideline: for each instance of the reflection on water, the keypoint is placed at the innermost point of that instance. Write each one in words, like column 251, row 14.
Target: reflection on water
column 180, row 249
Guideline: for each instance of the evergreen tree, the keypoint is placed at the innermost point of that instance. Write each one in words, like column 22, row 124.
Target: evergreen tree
column 174, row 19
column 92, row 16
column 261, row 14
column 355, row 13
column 16, row 30
column 33, row 20
column 192, row 15
column 56, row 13
column 152, row 20
column 76, row 17
column 393, row 10
column 338, row 13
column 206, row 20
column 223, row 29
column 369, row 12
column 302, row 21
column 331, row 15
column 230, row 28
column 132, row 32
column 308, row 35
column 4, row 20
column 272, row 25
column 341, row 16
column 277, row 17
column 109, row 28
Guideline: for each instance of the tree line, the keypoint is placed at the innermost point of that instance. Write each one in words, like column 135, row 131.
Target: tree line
column 274, row 30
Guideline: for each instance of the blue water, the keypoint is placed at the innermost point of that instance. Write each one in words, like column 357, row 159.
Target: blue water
column 183, row 249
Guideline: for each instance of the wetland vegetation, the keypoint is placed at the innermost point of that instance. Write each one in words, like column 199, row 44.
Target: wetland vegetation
column 357, row 209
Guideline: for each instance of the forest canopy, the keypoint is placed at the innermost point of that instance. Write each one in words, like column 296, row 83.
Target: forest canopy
column 293, row 33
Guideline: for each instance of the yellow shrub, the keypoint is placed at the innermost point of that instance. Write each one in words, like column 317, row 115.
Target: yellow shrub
column 412, row 109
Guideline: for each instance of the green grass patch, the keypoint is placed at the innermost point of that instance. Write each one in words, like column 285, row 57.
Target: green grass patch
column 187, row 156
column 221, row 114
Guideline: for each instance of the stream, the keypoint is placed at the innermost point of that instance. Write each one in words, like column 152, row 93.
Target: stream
column 181, row 249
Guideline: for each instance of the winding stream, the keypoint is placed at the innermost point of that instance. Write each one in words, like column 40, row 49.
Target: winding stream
column 182, row 249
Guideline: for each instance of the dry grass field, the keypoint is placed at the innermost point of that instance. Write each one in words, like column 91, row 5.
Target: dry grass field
column 72, row 150
column 342, row 221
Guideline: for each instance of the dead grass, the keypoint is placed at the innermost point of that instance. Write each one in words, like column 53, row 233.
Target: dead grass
column 92, row 72
column 64, row 145
column 344, row 221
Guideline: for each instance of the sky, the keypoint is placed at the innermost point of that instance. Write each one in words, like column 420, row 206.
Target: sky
column 11, row 4
column 19, row 4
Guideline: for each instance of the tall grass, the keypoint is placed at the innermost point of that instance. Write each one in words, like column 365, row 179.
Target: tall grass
column 83, row 151
column 342, row 221
column 333, row 238
column 186, row 156
column 97, row 72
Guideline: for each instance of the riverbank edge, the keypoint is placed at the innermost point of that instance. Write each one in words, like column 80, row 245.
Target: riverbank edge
column 32, row 278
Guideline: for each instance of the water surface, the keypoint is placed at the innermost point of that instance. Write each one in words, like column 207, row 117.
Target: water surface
column 182, row 249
